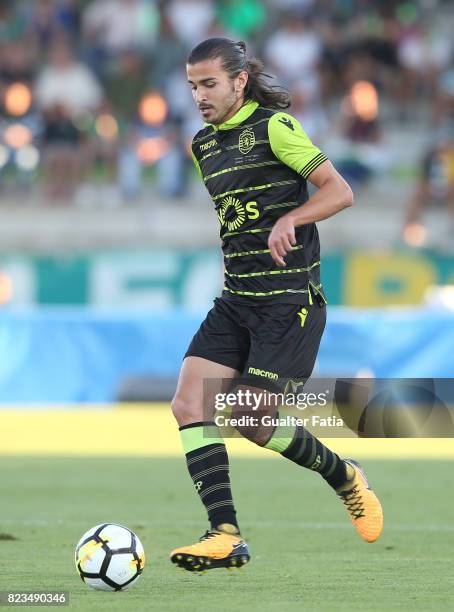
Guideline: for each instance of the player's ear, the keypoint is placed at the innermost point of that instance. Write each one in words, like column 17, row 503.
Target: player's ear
column 241, row 81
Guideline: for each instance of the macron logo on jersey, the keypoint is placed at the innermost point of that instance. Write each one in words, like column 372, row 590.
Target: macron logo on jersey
column 208, row 144
column 287, row 122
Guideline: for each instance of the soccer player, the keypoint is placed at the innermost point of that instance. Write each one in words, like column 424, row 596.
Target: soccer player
column 255, row 161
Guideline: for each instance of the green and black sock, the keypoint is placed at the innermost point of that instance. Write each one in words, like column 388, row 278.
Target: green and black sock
column 208, row 465
column 306, row 450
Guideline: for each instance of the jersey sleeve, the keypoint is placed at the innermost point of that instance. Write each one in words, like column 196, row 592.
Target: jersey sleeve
column 292, row 146
column 196, row 163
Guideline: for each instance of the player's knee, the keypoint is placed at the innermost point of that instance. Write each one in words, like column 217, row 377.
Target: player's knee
column 185, row 411
column 254, row 435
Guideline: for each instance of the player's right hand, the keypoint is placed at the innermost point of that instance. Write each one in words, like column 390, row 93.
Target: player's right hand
column 281, row 240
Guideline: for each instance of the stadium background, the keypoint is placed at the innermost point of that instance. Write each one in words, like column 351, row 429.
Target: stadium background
column 109, row 255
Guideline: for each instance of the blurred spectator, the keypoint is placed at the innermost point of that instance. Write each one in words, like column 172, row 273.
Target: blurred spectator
column 170, row 54
column 66, row 82
column 294, row 51
column 242, row 18
column 68, row 16
column 308, row 109
column 19, row 124
column 173, row 167
column 423, row 53
column 62, row 156
column 117, row 25
column 64, row 90
column 444, row 107
column 361, row 106
column 124, row 104
column 190, row 19
column 435, row 184
column 13, row 24
column 124, row 100
column 51, row 18
column 334, row 57
column 16, row 62
column 361, row 152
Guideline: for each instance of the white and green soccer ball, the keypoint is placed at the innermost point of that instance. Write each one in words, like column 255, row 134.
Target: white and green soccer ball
column 109, row 557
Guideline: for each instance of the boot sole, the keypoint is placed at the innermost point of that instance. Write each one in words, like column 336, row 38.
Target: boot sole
column 201, row 564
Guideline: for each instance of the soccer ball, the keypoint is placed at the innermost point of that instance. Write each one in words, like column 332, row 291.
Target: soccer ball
column 109, row 557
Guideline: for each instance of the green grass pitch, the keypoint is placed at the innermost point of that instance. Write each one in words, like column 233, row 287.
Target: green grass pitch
column 305, row 554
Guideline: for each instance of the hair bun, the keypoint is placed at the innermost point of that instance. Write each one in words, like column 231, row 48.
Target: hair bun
column 242, row 45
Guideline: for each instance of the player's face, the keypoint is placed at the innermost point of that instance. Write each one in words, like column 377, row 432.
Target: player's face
column 218, row 97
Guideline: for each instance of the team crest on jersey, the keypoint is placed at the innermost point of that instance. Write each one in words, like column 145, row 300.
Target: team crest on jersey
column 247, row 141
column 231, row 213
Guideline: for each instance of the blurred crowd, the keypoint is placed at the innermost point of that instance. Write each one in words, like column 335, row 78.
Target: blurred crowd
column 95, row 90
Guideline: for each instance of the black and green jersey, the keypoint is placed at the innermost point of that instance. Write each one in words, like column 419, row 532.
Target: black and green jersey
column 255, row 167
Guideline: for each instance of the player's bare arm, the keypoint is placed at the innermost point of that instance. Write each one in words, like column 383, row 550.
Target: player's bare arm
column 332, row 196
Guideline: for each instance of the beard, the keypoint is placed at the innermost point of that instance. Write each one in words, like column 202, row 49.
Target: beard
column 228, row 105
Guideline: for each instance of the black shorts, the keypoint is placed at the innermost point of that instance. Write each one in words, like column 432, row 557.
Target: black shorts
column 267, row 344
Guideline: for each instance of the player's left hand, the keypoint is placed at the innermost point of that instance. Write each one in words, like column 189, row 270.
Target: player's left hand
column 282, row 239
